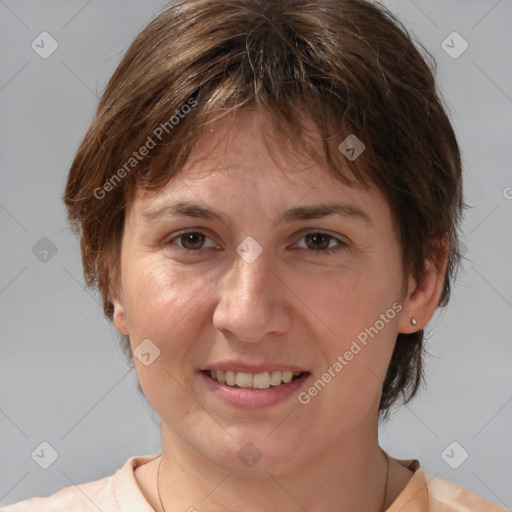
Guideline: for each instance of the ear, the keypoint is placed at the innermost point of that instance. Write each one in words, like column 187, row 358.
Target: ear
column 423, row 298
column 119, row 317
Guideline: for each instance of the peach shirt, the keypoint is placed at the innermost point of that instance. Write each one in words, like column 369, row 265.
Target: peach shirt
column 120, row 493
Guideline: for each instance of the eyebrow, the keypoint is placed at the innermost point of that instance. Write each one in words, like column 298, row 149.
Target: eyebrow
column 316, row 211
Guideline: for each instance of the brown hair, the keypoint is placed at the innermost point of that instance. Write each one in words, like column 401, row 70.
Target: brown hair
column 349, row 65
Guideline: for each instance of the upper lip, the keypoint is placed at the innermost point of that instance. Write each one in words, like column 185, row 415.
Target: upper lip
column 240, row 366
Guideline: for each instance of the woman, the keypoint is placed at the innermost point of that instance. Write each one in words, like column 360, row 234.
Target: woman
column 269, row 201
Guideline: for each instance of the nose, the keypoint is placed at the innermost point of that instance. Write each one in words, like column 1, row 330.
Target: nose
column 252, row 301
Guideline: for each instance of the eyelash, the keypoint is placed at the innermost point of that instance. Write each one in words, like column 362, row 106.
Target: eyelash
column 318, row 252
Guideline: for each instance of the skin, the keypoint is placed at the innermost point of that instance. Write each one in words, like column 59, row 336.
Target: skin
column 289, row 306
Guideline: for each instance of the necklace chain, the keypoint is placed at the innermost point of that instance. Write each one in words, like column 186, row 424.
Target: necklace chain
column 381, row 509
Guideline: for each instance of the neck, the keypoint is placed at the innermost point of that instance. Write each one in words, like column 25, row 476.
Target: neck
column 350, row 477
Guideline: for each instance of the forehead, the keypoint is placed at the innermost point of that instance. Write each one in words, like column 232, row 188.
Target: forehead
column 240, row 158
column 248, row 140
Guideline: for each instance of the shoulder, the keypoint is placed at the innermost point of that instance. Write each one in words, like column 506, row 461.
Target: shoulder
column 446, row 496
column 110, row 494
column 81, row 498
column 428, row 493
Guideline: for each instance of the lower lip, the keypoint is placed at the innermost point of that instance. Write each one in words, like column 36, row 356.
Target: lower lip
column 252, row 398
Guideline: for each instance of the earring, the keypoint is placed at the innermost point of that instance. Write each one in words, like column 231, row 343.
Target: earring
column 413, row 321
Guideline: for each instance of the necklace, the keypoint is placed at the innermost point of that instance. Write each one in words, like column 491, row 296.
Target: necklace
column 381, row 509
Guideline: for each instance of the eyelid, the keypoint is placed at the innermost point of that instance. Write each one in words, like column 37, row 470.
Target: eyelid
column 307, row 231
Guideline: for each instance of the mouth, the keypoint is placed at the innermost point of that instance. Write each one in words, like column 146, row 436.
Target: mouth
column 253, row 390
column 257, row 381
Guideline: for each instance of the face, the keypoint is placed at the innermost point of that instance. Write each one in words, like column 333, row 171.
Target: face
column 260, row 290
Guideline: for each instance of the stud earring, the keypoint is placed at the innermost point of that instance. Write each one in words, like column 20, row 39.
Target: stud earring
column 413, row 321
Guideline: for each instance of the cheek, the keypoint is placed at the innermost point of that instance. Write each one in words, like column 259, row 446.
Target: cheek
column 163, row 307
column 166, row 305
column 346, row 304
column 158, row 292
column 358, row 322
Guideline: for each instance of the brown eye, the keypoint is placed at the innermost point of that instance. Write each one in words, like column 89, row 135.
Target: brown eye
column 192, row 240
column 319, row 241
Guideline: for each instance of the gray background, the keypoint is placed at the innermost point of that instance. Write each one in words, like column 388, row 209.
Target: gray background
column 62, row 378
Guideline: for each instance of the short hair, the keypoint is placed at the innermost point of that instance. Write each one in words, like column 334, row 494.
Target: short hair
column 350, row 66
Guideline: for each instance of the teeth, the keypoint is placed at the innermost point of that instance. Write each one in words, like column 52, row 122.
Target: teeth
column 287, row 376
column 261, row 381
column 244, row 380
column 230, row 378
column 249, row 380
column 275, row 378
